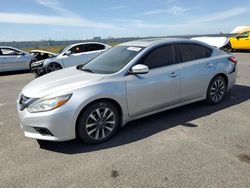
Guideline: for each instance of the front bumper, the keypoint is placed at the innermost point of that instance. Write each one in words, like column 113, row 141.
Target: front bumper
column 59, row 122
column 38, row 69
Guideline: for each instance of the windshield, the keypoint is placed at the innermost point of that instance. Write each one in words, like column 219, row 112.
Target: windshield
column 112, row 60
column 63, row 49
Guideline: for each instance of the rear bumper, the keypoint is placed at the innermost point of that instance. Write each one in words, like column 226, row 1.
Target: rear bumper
column 232, row 77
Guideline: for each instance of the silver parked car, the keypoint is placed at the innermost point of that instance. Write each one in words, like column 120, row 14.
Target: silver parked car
column 12, row 59
column 127, row 82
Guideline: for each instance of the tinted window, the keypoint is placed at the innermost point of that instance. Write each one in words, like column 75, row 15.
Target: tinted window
column 190, row 52
column 208, row 52
column 159, row 57
column 94, row 47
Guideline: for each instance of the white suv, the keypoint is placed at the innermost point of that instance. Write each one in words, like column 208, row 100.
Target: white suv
column 71, row 55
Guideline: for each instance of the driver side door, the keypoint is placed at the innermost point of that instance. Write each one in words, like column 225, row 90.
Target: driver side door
column 241, row 41
column 76, row 56
column 157, row 89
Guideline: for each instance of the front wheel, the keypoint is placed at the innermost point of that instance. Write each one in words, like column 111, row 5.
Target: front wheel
column 216, row 90
column 98, row 123
column 53, row 67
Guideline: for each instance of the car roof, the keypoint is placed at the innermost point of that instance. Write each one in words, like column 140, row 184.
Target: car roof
column 14, row 49
column 155, row 41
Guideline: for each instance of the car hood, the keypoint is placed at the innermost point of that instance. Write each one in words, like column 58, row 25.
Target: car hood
column 64, row 80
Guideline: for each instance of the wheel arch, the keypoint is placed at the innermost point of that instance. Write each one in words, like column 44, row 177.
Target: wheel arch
column 114, row 102
column 223, row 76
column 46, row 66
column 55, row 63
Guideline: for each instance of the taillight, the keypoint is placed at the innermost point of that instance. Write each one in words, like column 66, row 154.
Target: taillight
column 233, row 60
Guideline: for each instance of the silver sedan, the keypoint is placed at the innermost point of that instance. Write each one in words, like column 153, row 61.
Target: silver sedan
column 12, row 59
column 127, row 82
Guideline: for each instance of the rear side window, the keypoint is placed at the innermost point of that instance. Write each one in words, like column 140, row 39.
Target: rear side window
column 94, row 47
column 159, row 57
column 190, row 52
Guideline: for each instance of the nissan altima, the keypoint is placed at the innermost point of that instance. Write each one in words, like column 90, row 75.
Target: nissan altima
column 127, row 82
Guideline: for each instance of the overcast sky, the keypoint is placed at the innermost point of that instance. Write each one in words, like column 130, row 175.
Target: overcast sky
column 80, row 19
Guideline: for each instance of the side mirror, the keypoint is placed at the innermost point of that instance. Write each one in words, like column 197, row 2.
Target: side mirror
column 68, row 53
column 139, row 69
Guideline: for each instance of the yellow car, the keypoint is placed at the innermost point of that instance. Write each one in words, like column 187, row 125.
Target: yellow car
column 241, row 41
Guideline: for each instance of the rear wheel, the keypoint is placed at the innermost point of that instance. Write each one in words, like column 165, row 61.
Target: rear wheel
column 98, row 122
column 216, row 90
column 53, row 67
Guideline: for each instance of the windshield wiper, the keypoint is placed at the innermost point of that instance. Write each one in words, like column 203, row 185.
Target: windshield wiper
column 88, row 70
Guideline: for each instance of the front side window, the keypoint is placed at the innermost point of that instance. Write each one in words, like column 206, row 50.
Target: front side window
column 243, row 35
column 191, row 52
column 112, row 60
column 159, row 57
column 77, row 49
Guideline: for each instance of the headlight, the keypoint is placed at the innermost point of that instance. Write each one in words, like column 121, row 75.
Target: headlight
column 46, row 104
column 38, row 63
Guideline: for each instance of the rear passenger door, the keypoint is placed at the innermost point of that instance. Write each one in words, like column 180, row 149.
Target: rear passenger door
column 196, row 70
column 157, row 89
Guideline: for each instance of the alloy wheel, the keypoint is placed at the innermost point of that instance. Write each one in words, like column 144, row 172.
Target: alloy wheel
column 217, row 91
column 100, row 123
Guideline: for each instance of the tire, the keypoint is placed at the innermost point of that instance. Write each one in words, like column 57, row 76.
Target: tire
column 36, row 74
column 97, row 123
column 216, row 90
column 53, row 67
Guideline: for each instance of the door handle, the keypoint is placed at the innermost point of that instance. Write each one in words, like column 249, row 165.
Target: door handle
column 174, row 74
column 208, row 65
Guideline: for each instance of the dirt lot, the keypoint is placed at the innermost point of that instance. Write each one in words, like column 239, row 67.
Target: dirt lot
column 193, row 146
